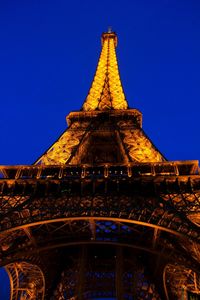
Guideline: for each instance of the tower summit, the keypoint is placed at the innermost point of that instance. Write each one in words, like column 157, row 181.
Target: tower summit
column 106, row 92
column 102, row 213
column 105, row 130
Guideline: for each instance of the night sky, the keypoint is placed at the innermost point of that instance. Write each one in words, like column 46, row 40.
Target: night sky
column 48, row 56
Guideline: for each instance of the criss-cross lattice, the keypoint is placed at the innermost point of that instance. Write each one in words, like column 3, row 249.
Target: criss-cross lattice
column 106, row 91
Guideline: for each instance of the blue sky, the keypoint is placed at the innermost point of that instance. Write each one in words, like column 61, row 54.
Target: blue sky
column 48, row 55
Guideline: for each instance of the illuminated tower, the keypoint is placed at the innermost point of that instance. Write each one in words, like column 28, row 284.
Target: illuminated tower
column 102, row 213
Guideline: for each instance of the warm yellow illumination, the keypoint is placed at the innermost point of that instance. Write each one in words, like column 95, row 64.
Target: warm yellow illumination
column 139, row 147
column 106, row 91
column 105, row 96
column 61, row 151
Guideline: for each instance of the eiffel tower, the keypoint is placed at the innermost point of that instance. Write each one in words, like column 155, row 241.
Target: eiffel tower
column 102, row 213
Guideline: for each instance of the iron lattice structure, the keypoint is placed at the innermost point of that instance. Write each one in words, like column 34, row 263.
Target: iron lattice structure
column 102, row 213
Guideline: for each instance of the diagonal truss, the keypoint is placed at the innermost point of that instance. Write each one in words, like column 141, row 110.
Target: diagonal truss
column 106, row 91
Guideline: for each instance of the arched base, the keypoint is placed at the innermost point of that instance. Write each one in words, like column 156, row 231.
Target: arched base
column 26, row 281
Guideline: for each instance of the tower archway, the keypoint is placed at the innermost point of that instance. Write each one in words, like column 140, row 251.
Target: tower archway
column 26, row 281
column 180, row 281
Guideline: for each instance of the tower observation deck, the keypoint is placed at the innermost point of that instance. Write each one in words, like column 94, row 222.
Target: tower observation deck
column 102, row 213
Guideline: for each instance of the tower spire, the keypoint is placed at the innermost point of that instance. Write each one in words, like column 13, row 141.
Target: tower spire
column 117, row 137
column 106, row 91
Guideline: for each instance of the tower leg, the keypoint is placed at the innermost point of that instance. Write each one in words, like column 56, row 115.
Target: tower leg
column 81, row 274
column 119, row 273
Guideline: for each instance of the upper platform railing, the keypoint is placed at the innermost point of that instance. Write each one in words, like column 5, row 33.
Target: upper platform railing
column 42, row 172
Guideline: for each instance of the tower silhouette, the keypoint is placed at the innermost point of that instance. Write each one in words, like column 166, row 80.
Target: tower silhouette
column 102, row 213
